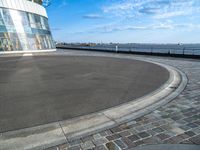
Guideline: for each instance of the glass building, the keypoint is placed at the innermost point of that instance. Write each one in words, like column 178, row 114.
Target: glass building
column 24, row 26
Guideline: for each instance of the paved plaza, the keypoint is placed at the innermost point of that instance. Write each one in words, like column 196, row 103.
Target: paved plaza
column 149, row 122
column 174, row 123
column 37, row 90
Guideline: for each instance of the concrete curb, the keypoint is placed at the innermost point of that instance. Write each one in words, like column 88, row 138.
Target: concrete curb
column 22, row 52
column 57, row 133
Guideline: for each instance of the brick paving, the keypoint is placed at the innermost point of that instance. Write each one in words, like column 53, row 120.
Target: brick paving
column 176, row 122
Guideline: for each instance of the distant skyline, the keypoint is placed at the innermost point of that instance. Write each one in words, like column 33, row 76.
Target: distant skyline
column 125, row 21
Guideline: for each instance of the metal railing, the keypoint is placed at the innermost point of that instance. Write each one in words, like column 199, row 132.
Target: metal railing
column 184, row 51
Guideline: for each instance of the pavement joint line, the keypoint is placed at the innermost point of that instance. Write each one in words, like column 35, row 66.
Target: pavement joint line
column 62, row 131
column 110, row 118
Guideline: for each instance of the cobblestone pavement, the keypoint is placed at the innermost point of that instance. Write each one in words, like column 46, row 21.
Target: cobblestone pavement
column 176, row 122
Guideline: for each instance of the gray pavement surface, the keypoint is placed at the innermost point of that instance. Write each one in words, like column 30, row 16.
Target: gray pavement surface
column 37, row 90
column 178, row 122
column 169, row 147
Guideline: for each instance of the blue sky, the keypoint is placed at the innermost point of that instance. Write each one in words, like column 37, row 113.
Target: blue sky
column 125, row 21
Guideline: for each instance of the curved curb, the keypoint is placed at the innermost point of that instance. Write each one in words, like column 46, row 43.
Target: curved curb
column 60, row 132
column 88, row 124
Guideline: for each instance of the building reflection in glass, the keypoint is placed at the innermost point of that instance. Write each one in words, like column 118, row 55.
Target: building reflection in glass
column 24, row 31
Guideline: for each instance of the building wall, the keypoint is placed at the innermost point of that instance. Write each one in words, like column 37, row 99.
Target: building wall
column 37, row 1
column 24, row 26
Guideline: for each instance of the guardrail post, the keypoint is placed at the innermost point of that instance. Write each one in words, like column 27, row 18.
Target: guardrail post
column 116, row 50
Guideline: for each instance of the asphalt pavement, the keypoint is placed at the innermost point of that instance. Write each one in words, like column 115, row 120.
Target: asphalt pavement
column 38, row 90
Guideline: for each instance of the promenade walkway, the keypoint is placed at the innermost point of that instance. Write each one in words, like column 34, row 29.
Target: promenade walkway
column 176, row 122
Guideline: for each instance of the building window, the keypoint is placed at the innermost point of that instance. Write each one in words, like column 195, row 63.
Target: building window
column 24, row 31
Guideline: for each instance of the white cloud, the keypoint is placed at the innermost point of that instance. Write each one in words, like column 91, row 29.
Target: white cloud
column 119, row 7
column 168, row 25
column 159, row 9
column 170, row 14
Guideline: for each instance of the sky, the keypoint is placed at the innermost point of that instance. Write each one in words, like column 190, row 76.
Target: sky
column 125, row 21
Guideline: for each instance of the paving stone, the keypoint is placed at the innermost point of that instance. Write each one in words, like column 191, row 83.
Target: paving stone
column 167, row 127
column 195, row 139
column 163, row 136
column 162, row 122
column 131, row 123
column 139, row 119
column 156, row 124
column 158, row 130
column 74, row 142
column 100, row 141
column 197, row 122
column 176, row 118
column 143, row 134
column 74, row 148
column 148, row 126
column 151, row 132
column 52, row 148
column 191, row 125
column 176, row 139
column 139, row 143
column 87, row 145
column 87, row 138
column 128, row 142
column 184, row 136
column 108, row 132
column 134, row 137
column 169, row 120
column 97, row 136
column 177, row 130
column 116, row 129
column 196, row 117
column 139, row 129
column 124, row 127
column 196, row 130
column 113, row 137
column 165, row 116
column 64, row 146
column 186, row 142
column 101, row 147
column 124, row 133
column 103, row 133
column 184, row 127
column 190, row 133
column 152, row 140
column 112, row 146
column 168, row 141
column 121, row 144
column 132, row 131
column 188, row 119
column 173, row 140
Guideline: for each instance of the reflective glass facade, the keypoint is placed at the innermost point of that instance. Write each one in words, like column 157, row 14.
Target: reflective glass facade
column 37, row 1
column 21, row 30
